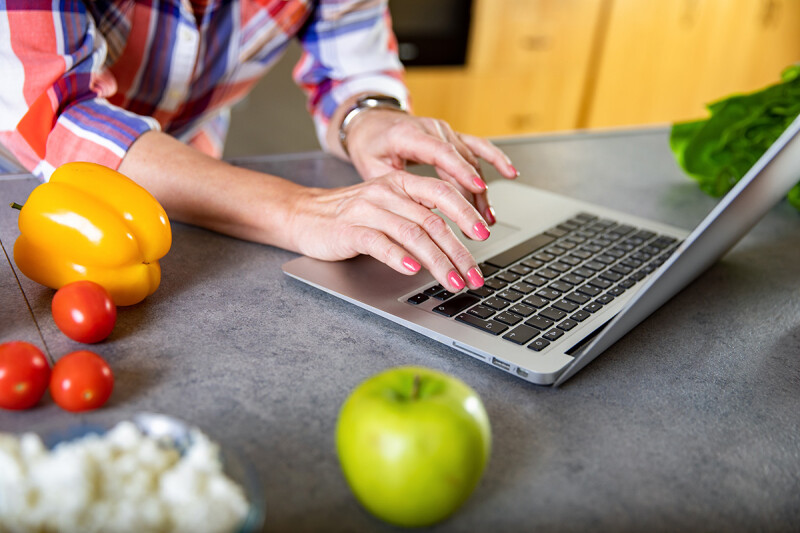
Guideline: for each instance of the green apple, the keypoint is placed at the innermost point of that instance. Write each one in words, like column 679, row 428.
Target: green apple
column 413, row 444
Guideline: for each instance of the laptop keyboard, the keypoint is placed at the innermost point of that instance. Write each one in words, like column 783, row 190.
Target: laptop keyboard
column 541, row 288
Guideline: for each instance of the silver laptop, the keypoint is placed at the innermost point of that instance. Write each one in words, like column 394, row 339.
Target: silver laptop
column 563, row 282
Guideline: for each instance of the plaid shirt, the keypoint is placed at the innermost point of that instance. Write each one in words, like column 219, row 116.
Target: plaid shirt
column 82, row 80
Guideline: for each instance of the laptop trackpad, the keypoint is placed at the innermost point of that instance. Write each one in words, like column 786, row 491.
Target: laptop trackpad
column 499, row 232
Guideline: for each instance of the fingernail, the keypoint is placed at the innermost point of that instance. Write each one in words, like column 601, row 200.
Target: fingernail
column 489, row 214
column 479, row 183
column 516, row 172
column 475, row 276
column 455, row 280
column 411, row 265
column 481, row 230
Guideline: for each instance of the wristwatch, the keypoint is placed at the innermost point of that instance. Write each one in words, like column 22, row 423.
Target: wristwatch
column 368, row 101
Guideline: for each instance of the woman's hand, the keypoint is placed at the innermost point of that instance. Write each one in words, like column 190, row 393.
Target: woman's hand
column 390, row 218
column 381, row 140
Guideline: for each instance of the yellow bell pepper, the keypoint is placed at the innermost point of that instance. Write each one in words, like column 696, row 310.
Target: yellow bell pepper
column 91, row 222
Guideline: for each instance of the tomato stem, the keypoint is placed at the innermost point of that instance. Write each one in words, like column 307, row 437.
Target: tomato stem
column 16, row 206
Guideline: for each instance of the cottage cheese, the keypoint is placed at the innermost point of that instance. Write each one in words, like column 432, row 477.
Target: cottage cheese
column 121, row 481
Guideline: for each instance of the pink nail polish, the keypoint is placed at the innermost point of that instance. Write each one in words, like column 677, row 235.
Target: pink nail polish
column 481, row 231
column 479, row 183
column 490, row 217
column 516, row 172
column 411, row 265
column 475, row 276
column 455, row 280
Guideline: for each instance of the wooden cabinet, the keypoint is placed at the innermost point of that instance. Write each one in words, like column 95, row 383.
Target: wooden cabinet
column 545, row 65
column 664, row 60
column 525, row 70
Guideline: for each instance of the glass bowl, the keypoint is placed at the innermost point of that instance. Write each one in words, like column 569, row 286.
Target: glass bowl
column 171, row 431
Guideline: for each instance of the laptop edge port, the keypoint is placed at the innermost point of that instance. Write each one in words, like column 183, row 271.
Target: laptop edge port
column 502, row 364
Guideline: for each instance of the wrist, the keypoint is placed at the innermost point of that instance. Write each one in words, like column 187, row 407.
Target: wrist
column 365, row 103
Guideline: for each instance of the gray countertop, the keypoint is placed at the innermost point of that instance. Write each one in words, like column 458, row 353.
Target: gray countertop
column 690, row 422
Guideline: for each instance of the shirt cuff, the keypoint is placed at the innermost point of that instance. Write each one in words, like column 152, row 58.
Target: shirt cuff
column 374, row 84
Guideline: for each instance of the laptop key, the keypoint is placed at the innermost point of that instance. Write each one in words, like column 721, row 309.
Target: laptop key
column 495, row 303
column 577, row 298
column 572, row 279
column 494, row 284
column 523, row 310
column 560, row 286
column 593, row 307
column 508, row 277
column 548, row 294
column 489, row 326
column 430, row 291
column 539, row 322
column 532, row 263
column 519, row 251
column 481, row 292
column 535, row 301
column 588, row 290
column 580, row 316
column 521, row 270
column 553, row 314
column 566, row 306
column 481, row 311
column 521, row 334
column 456, row 305
column 488, row 270
column 511, row 296
column 567, row 324
column 539, row 344
column 444, row 295
column 536, row 281
column 553, row 334
column 599, row 282
column 615, row 291
column 604, row 299
column 524, row 288
column 417, row 299
column 508, row 318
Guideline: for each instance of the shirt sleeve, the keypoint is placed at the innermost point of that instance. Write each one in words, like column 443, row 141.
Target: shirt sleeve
column 348, row 48
column 53, row 98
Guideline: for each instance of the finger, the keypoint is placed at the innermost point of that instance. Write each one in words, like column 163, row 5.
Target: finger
column 429, row 239
column 438, row 194
column 419, row 145
column 483, row 207
column 372, row 242
column 448, row 134
column 491, row 154
column 469, row 195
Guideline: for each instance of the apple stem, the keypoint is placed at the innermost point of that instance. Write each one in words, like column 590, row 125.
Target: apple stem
column 415, row 390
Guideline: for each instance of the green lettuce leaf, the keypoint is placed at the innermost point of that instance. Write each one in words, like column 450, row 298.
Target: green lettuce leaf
column 719, row 150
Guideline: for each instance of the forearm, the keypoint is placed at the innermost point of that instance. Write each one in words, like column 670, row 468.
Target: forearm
column 200, row 190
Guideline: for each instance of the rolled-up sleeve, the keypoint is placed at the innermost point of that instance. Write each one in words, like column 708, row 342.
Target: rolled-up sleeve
column 53, row 98
column 348, row 48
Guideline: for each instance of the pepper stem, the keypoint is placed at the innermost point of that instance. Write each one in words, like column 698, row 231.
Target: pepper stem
column 16, row 206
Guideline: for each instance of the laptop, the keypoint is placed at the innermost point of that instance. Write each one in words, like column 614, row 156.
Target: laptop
column 564, row 281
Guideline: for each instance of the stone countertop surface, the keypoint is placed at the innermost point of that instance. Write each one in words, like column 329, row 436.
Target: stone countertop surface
column 690, row 422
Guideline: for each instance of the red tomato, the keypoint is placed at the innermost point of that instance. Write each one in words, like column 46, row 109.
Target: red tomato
column 84, row 311
column 81, row 381
column 24, row 375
